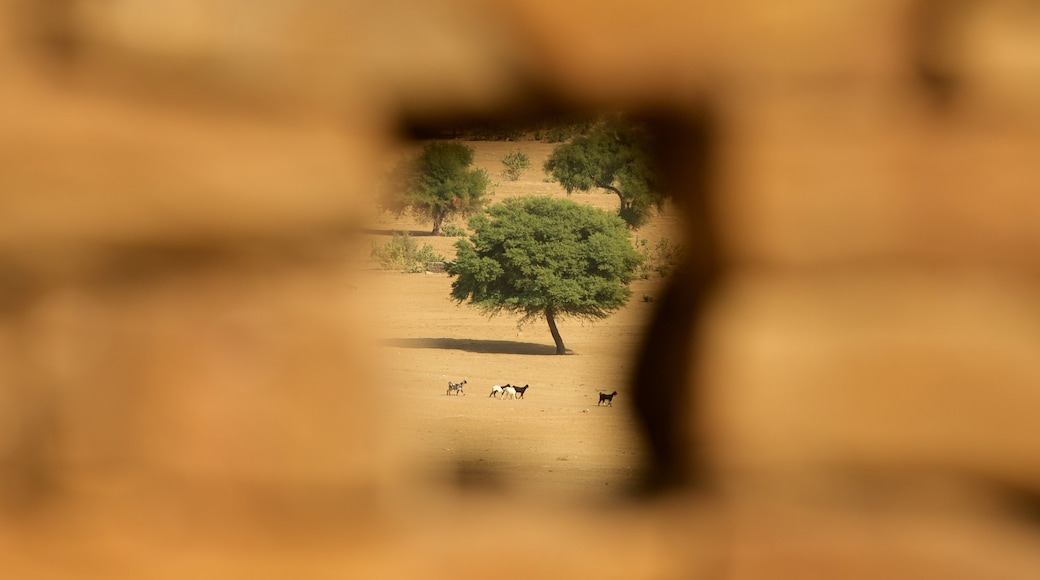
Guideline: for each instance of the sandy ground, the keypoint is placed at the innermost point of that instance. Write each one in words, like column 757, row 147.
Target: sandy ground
column 557, row 440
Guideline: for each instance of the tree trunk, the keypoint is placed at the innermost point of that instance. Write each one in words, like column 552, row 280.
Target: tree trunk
column 621, row 196
column 551, row 319
column 437, row 221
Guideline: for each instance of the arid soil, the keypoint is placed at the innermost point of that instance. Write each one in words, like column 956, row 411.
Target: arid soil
column 556, row 441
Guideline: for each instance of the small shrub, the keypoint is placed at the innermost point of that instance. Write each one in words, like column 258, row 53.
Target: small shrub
column 403, row 253
column 559, row 133
column 565, row 129
column 668, row 256
column 497, row 132
column 426, row 254
column 660, row 259
column 515, row 162
column 453, row 231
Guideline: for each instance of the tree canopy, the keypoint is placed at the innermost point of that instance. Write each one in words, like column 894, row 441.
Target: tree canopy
column 614, row 156
column 437, row 183
column 539, row 256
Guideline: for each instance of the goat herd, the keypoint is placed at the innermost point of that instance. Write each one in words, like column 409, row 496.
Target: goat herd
column 508, row 391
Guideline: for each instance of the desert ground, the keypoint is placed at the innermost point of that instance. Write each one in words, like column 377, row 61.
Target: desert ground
column 555, row 442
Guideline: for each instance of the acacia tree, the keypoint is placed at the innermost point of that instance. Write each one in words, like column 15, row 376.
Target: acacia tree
column 613, row 156
column 437, row 183
column 538, row 256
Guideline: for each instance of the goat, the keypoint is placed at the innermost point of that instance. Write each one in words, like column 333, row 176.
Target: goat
column 521, row 390
column 498, row 390
column 508, row 393
column 456, row 387
column 609, row 398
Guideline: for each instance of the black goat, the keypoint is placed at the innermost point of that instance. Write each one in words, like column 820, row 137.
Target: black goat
column 608, row 397
column 521, row 390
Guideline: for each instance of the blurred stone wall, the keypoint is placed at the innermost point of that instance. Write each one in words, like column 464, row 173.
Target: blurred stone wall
column 179, row 184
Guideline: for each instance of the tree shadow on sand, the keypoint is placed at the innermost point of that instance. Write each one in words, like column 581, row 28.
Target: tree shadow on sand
column 473, row 345
column 392, row 231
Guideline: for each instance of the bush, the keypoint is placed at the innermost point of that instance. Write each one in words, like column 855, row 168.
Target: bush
column 497, row 132
column 565, row 128
column 453, row 231
column 516, row 162
column 560, row 134
column 403, row 253
column 660, row 259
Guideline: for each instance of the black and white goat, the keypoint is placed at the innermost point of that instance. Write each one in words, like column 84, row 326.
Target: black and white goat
column 499, row 390
column 608, row 397
column 456, row 388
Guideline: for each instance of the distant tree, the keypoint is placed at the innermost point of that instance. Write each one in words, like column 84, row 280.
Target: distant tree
column 614, row 156
column 437, row 183
column 539, row 256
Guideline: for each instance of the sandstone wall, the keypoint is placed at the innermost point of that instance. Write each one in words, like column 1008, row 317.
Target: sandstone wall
column 179, row 184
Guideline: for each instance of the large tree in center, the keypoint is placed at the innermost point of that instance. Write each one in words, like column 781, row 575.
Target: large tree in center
column 613, row 156
column 545, row 257
column 437, row 183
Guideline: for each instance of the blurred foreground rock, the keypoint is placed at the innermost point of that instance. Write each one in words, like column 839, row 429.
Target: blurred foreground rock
column 183, row 386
